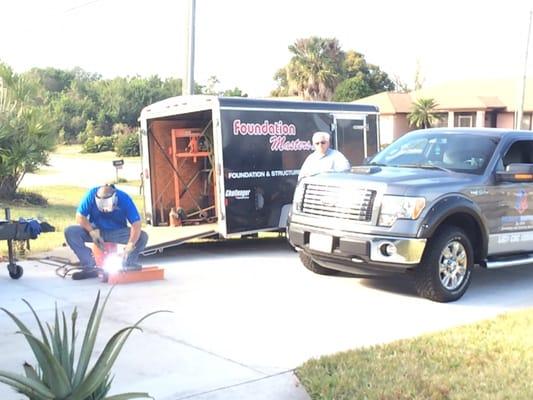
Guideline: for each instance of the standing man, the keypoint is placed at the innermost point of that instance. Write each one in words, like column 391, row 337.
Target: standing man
column 103, row 216
column 323, row 158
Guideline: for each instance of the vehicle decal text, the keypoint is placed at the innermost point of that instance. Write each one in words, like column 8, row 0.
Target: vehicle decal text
column 278, row 131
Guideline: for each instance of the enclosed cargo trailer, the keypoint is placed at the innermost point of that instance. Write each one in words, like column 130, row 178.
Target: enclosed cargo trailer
column 224, row 166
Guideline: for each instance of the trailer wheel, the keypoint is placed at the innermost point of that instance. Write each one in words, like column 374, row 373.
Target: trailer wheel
column 446, row 268
column 308, row 263
column 15, row 271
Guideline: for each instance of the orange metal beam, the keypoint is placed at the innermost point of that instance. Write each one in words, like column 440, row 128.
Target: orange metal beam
column 146, row 274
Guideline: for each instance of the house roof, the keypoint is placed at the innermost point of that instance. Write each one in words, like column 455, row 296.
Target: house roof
column 389, row 102
column 459, row 95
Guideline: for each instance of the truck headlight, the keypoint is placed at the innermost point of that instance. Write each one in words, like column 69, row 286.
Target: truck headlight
column 298, row 197
column 400, row 207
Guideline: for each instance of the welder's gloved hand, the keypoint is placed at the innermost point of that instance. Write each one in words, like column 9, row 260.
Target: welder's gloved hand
column 127, row 251
column 97, row 239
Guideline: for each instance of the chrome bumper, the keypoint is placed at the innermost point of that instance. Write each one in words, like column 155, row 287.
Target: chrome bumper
column 360, row 248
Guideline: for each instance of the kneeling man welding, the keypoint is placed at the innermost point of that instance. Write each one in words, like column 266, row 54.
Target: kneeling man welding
column 102, row 217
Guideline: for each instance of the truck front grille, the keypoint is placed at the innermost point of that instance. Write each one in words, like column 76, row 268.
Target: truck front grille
column 338, row 202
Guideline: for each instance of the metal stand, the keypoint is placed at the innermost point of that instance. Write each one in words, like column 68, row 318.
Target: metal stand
column 15, row 270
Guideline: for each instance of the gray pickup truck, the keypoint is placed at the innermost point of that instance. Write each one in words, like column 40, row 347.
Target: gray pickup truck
column 434, row 204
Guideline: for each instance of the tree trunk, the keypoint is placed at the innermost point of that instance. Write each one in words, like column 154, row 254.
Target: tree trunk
column 8, row 187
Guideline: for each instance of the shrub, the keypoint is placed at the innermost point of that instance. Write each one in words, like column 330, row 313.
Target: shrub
column 98, row 144
column 82, row 137
column 121, row 129
column 128, row 145
column 88, row 132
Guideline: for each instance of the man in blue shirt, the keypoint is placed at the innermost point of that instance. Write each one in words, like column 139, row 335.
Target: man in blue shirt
column 103, row 216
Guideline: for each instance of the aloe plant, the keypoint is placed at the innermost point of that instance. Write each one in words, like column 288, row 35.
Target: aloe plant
column 58, row 375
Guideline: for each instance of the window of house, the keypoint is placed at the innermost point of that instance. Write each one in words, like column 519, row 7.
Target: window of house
column 464, row 119
column 490, row 119
column 441, row 120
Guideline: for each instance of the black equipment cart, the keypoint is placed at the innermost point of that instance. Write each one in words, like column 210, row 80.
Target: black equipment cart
column 13, row 230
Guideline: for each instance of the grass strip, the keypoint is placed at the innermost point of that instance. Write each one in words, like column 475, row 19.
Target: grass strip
column 488, row 360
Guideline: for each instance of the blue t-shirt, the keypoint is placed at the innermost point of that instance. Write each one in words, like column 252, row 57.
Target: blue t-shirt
column 124, row 211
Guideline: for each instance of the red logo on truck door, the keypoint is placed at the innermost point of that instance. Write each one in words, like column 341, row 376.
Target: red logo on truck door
column 521, row 201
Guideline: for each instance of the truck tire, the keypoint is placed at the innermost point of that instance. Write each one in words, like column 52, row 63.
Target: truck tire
column 446, row 268
column 308, row 263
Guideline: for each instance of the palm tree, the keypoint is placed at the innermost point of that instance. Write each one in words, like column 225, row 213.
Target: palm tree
column 315, row 67
column 422, row 114
column 27, row 132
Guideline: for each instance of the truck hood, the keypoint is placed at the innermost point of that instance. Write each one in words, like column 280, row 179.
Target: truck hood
column 397, row 180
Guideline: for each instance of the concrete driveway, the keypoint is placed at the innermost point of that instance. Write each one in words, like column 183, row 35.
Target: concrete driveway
column 245, row 313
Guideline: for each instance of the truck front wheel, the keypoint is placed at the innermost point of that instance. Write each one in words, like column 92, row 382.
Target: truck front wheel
column 446, row 268
column 308, row 263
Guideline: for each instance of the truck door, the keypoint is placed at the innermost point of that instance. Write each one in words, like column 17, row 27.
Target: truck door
column 510, row 214
column 355, row 136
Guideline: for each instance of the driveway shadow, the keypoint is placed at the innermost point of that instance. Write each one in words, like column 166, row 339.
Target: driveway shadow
column 504, row 287
column 501, row 287
column 400, row 284
column 209, row 248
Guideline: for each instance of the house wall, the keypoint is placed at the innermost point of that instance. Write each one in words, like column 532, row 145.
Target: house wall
column 505, row 120
column 401, row 125
column 386, row 129
column 393, row 126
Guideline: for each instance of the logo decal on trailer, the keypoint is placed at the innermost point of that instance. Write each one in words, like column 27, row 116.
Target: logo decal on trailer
column 265, row 128
column 278, row 133
column 241, row 194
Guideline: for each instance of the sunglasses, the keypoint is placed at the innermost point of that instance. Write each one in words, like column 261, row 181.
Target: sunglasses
column 322, row 142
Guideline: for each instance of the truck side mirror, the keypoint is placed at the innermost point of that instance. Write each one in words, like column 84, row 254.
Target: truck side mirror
column 516, row 173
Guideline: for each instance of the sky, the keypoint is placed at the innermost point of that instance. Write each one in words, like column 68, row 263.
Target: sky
column 243, row 43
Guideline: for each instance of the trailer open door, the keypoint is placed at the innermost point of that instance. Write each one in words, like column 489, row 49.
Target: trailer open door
column 180, row 178
column 145, row 168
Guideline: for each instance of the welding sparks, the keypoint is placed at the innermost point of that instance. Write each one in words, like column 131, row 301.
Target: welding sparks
column 112, row 263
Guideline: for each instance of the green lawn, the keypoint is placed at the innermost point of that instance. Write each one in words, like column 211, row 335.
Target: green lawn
column 74, row 151
column 60, row 212
column 488, row 360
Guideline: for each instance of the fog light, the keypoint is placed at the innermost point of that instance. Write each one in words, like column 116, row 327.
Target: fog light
column 388, row 249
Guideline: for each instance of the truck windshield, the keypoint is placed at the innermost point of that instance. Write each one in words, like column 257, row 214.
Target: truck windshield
column 458, row 152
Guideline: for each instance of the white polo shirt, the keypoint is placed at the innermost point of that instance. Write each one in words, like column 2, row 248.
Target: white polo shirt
column 315, row 163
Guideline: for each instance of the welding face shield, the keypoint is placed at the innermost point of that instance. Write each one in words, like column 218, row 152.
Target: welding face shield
column 106, row 199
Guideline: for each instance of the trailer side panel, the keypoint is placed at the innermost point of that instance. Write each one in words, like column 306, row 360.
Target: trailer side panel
column 263, row 152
